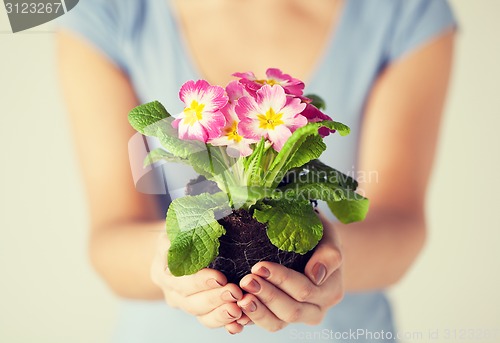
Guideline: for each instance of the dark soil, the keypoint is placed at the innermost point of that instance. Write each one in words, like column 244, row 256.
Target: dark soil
column 245, row 242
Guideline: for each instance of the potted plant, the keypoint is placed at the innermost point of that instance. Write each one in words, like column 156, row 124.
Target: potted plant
column 255, row 144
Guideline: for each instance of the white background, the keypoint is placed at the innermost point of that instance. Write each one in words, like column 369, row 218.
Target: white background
column 49, row 294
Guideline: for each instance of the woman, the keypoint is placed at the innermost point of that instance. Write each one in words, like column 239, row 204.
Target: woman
column 383, row 69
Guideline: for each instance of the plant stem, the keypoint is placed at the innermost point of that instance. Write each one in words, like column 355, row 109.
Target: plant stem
column 228, row 192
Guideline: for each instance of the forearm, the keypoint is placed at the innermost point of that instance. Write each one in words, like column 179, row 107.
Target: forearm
column 122, row 255
column 398, row 141
column 378, row 251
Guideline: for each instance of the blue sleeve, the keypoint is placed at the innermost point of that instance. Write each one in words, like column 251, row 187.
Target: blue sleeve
column 98, row 22
column 417, row 22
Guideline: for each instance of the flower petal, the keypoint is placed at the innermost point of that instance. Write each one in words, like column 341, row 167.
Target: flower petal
column 249, row 128
column 271, row 97
column 175, row 123
column 290, row 84
column 214, row 98
column 195, row 131
column 230, row 114
column 234, row 149
column 298, row 121
column 313, row 115
column 279, row 136
column 241, row 149
column 293, row 107
column 235, row 90
column 246, row 107
column 246, row 75
column 213, row 123
column 188, row 91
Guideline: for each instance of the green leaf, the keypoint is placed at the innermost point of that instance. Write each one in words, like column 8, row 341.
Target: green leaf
column 319, row 191
column 294, row 142
column 194, row 232
column 317, row 171
column 205, row 159
column 194, row 250
column 210, row 162
column 303, row 145
column 292, row 226
column 317, row 101
column 168, row 138
column 352, row 209
column 247, row 196
column 144, row 118
column 345, row 204
column 342, row 129
column 310, row 149
column 159, row 154
column 253, row 163
column 189, row 212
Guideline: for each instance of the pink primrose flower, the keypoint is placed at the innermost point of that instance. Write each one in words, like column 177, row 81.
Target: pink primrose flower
column 271, row 114
column 275, row 76
column 313, row 115
column 201, row 119
column 235, row 90
column 237, row 144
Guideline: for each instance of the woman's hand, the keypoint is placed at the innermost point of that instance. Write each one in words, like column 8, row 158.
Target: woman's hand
column 205, row 294
column 278, row 295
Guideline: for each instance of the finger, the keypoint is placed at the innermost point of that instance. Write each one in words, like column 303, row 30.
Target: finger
column 326, row 257
column 281, row 304
column 221, row 316
column 293, row 283
column 189, row 284
column 260, row 314
column 162, row 244
column 204, row 302
column 201, row 281
column 157, row 270
column 234, row 328
column 244, row 320
column 334, row 290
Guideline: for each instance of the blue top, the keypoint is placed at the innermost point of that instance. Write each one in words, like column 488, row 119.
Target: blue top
column 142, row 38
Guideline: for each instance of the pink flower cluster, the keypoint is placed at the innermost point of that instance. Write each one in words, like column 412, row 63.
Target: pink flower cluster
column 245, row 111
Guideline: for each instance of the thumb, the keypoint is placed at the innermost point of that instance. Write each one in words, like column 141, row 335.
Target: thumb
column 327, row 257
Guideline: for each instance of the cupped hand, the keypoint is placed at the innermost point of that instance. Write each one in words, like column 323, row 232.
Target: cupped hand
column 205, row 294
column 278, row 295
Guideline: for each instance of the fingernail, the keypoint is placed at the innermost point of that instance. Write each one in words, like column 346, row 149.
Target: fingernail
column 229, row 315
column 212, row 283
column 264, row 272
column 252, row 287
column 250, row 307
column 243, row 323
column 319, row 273
column 228, row 296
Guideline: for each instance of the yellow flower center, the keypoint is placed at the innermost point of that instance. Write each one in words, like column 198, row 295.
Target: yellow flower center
column 270, row 120
column 193, row 113
column 232, row 133
column 270, row 82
